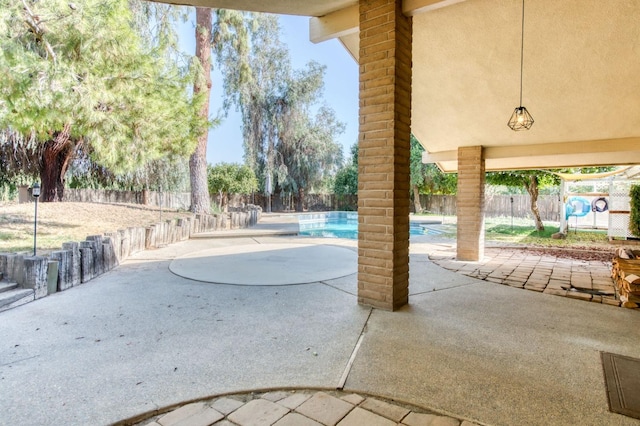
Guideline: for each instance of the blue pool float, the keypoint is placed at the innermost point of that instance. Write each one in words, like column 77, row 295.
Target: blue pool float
column 577, row 206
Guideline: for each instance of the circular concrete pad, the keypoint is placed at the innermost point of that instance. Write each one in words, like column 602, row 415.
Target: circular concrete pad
column 267, row 264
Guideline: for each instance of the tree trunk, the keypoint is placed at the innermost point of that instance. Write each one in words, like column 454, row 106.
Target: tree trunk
column 200, row 201
column 416, row 199
column 54, row 162
column 532, row 189
column 225, row 202
column 300, row 200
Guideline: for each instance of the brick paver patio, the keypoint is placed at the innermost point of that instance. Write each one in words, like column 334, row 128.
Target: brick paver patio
column 300, row 408
column 574, row 278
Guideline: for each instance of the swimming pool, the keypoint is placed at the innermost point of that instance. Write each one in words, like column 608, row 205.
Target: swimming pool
column 340, row 225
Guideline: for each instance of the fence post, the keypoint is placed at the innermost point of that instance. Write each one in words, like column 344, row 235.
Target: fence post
column 34, row 275
column 65, row 264
column 87, row 261
column 74, row 266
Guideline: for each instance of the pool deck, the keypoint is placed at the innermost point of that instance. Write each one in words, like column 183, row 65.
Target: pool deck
column 140, row 340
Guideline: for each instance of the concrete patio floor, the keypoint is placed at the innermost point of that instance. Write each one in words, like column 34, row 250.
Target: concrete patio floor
column 140, row 338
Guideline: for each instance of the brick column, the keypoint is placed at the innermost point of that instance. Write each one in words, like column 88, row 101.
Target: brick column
column 470, row 203
column 383, row 158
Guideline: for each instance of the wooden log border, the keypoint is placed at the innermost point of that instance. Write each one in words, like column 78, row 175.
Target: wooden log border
column 80, row 262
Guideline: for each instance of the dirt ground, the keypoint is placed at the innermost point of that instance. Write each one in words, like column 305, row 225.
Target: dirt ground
column 598, row 253
column 62, row 221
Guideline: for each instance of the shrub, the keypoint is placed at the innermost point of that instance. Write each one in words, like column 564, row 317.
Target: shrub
column 634, row 217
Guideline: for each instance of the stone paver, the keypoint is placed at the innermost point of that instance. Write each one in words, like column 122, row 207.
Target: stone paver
column 227, row 405
column 360, row 417
column 390, row 411
column 275, row 396
column 353, row 398
column 294, row 401
column 206, row 417
column 300, row 408
column 418, row 419
column 295, row 419
column 325, row 408
column 573, row 278
column 176, row 417
column 258, row 412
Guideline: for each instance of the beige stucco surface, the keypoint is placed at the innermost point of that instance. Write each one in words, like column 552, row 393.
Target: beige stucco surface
column 581, row 62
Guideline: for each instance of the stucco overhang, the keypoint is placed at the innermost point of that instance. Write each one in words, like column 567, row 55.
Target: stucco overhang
column 283, row 7
column 581, row 75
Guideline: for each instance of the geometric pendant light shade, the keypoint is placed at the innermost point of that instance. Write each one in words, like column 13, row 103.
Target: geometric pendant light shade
column 521, row 119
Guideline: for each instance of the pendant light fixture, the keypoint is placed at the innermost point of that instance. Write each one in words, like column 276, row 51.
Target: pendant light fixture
column 521, row 119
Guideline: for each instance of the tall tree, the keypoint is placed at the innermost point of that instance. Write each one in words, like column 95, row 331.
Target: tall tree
column 78, row 74
column 427, row 178
column 346, row 180
column 283, row 139
column 255, row 85
column 417, row 170
column 200, row 202
column 306, row 145
column 309, row 153
column 226, row 32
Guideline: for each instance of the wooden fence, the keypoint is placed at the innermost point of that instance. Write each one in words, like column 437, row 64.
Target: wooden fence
column 168, row 200
column 495, row 205
column 312, row 202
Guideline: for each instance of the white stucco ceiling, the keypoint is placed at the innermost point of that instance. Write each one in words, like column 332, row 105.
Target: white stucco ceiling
column 581, row 75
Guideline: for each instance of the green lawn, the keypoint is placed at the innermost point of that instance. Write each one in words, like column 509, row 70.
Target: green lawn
column 523, row 231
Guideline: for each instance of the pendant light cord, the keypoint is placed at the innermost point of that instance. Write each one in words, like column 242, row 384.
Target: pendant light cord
column 522, row 53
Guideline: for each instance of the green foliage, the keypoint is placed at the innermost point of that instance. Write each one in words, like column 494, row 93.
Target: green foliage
column 308, row 150
column 521, row 178
column 533, row 181
column 170, row 173
column 8, row 191
column 427, row 177
column 546, row 178
column 346, row 180
column 505, row 232
column 231, row 179
column 500, row 229
column 634, row 217
column 86, row 67
column 418, row 168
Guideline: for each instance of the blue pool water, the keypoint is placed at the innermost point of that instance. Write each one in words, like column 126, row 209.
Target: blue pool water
column 340, row 225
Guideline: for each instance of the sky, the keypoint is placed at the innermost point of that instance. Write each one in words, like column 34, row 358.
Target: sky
column 340, row 87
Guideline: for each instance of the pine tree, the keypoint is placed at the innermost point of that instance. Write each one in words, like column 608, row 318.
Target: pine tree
column 79, row 74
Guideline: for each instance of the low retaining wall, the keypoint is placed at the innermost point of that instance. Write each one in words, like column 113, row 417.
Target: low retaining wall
column 79, row 262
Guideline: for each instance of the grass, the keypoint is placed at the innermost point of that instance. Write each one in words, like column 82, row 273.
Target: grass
column 523, row 231
column 62, row 222
column 528, row 235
